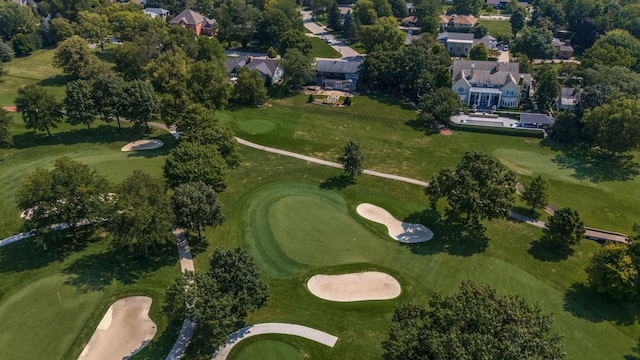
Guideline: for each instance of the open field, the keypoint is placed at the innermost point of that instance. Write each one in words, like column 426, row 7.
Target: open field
column 497, row 27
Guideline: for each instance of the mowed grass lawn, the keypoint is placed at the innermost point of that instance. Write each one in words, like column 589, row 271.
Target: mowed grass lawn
column 296, row 221
column 607, row 195
column 322, row 50
column 497, row 27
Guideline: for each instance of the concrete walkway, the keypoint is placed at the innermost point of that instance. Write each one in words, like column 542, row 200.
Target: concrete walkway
column 274, row 328
column 328, row 163
column 188, row 326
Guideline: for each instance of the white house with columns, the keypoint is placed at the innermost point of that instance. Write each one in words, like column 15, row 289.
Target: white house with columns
column 489, row 83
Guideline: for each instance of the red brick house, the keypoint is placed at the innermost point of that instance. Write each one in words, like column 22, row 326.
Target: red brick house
column 192, row 20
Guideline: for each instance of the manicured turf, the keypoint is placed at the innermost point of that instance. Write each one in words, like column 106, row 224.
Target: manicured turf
column 607, row 195
column 269, row 350
column 497, row 27
column 359, row 47
column 322, row 49
column 30, row 315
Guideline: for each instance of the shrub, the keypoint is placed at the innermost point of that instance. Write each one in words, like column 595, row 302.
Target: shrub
column 311, row 98
column 347, row 101
column 272, row 53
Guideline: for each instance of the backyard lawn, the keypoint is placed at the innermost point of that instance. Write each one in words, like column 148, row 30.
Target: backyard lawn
column 497, row 27
column 322, row 49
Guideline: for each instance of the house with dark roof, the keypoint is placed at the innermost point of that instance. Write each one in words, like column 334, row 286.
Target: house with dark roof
column 192, row 20
column 484, row 84
column 564, row 50
column 340, row 75
column 459, row 44
column 568, row 98
column 269, row 69
column 155, row 12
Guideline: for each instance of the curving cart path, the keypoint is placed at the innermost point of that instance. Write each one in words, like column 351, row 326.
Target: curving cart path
column 274, row 328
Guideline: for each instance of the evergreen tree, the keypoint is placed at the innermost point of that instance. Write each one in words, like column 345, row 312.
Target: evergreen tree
column 351, row 159
column 349, row 29
column 536, row 194
column 334, row 21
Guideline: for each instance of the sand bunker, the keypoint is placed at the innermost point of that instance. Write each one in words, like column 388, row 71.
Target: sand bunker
column 401, row 231
column 370, row 285
column 124, row 330
column 142, row 145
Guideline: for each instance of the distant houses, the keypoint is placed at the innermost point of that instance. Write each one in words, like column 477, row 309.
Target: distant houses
column 564, row 50
column 155, row 12
column 340, row 75
column 459, row 44
column 198, row 23
column 269, row 69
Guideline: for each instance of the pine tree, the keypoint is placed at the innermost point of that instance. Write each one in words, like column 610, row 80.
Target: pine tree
column 334, row 21
column 349, row 29
column 351, row 159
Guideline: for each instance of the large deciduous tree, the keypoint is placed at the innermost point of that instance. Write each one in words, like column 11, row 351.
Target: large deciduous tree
column 109, row 97
column 351, row 159
column 142, row 104
column 536, row 194
column 440, row 105
column 612, row 271
column 249, row 88
column 70, row 194
column 5, row 134
column 16, row 19
column 479, row 52
column 475, row 323
column 384, row 35
column 466, row 7
column 547, row 87
column 563, row 229
column 517, row 20
column 143, row 218
column 479, row 188
column 79, row 105
column 94, row 27
column 190, row 161
column 295, row 39
column 220, row 299
column 196, row 205
column 209, row 83
column 615, row 125
column 297, row 67
column 39, row 109
column 74, row 57
column 535, row 43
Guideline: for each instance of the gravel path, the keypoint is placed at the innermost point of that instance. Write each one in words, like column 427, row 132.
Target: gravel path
column 274, row 328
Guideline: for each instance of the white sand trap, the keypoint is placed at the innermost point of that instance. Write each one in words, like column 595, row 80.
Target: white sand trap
column 401, row 231
column 370, row 285
column 123, row 331
column 143, row 145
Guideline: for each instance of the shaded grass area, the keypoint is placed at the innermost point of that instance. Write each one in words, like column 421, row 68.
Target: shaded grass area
column 359, row 47
column 33, row 69
column 322, row 50
column 606, row 193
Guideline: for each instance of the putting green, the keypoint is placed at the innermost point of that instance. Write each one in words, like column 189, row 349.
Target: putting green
column 256, row 126
column 47, row 312
column 269, row 350
column 293, row 228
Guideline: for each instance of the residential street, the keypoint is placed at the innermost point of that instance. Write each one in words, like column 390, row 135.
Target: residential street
column 321, row 32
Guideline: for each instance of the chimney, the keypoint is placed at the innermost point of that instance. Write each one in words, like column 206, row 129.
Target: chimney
column 249, row 59
column 473, row 67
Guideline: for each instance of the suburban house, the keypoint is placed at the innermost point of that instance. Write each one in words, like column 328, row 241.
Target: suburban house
column 192, row 20
column 340, row 75
column 269, row 69
column 410, row 25
column 484, row 84
column 502, row 4
column 154, row 12
column 141, row 2
column 459, row 44
column 457, row 22
column 568, row 98
column 564, row 50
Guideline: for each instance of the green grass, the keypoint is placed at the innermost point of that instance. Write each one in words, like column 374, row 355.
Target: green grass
column 297, row 221
column 359, row 47
column 497, row 27
column 270, row 350
column 607, row 194
column 322, row 49
column 277, row 347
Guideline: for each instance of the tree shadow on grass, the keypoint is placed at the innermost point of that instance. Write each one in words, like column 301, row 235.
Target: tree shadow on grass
column 585, row 302
column 102, row 134
column 449, row 237
column 420, row 125
column 594, row 165
column 543, row 252
column 56, row 80
column 390, row 100
column 97, row 271
column 337, row 182
column 161, row 346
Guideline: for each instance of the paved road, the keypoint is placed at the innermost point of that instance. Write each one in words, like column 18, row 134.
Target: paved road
column 320, row 31
column 274, row 328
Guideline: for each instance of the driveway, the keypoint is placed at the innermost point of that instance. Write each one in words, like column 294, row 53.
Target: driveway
column 320, row 31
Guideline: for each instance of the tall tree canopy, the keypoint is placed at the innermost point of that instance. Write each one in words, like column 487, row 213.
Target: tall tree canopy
column 535, row 43
column 474, row 323
column 74, row 57
column 615, row 125
column 563, row 229
column 384, row 35
column 547, row 87
column 479, row 188
column 466, row 7
column 440, row 105
column 196, row 205
column 109, row 97
column 39, row 109
column 249, row 88
column 297, row 67
column 536, row 194
column 189, row 162
column 209, row 83
column 69, row 194
column 143, row 218
column 5, row 135
column 613, row 270
column 79, row 105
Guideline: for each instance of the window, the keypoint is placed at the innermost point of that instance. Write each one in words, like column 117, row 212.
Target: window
column 509, row 93
column 461, row 89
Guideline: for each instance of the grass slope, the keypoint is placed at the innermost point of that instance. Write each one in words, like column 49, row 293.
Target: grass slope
column 269, row 350
column 322, row 50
